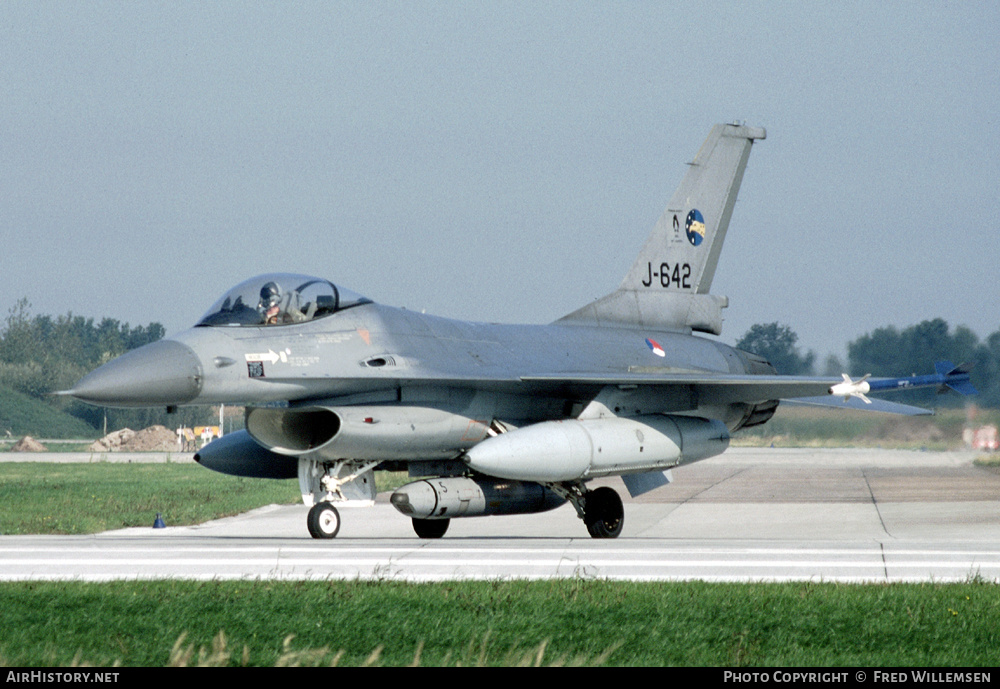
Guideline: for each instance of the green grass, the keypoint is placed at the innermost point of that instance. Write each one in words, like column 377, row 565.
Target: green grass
column 87, row 498
column 989, row 461
column 22, row 415
column 37, row 498
column 561, row 622
column 83, row 446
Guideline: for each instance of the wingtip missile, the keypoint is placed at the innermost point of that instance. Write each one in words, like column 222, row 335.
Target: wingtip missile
column 852, row 388
column 947, row 376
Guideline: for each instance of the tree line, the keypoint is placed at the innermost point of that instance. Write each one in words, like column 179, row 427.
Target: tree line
column 891, row 352
column 42, row 354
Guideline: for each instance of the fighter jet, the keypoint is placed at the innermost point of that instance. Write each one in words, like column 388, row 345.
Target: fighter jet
column 490, row 419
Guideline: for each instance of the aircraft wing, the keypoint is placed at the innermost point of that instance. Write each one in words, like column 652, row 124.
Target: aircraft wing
column 728, row 388
column 721, row 388
column 732, row 387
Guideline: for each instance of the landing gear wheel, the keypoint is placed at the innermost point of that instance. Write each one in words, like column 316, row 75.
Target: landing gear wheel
column 604, row 513
column 323, row 520
column 430, row 528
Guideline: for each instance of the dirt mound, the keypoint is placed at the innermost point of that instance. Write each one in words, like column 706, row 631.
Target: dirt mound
column 152, row 439
column 28, row 444
column 113, row 442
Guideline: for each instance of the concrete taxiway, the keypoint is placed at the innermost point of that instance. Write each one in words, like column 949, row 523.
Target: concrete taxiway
column 748, row 515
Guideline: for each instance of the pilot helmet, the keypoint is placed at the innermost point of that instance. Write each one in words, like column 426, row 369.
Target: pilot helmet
column 270, row 295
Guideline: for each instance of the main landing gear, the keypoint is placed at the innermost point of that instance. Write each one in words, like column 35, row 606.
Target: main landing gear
column 600, row 509
column 603, row 513
column 430, row 528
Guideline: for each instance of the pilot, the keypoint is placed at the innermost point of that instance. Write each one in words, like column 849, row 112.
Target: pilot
column 270, row 303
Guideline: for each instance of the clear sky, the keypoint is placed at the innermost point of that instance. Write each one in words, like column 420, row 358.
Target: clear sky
column 499, row 161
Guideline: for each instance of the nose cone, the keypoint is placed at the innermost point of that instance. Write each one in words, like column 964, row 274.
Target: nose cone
column 162, row 373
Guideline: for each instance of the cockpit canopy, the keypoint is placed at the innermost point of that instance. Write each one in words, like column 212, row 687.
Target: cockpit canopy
column 280, row 299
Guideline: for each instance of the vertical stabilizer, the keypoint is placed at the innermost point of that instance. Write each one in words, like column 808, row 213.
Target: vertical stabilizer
column 683, row 250
column 668, row 284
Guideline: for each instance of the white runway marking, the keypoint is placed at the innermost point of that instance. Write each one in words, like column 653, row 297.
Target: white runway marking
column 113, row 559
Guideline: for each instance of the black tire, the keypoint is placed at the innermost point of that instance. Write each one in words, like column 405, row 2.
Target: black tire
column 604, row 513
column 323, row 521
column 430, row 528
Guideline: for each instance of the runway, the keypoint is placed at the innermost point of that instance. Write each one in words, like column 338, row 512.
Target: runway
column 748, row 515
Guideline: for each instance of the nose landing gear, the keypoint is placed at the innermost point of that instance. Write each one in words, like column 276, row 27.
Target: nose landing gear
column 323, row 520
